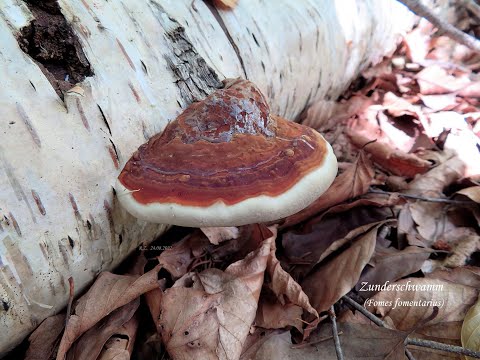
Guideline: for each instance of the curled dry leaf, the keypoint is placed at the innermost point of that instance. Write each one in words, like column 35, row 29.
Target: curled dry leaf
column 216, row 235
column 282, row 284
column 177, row 259
column 353, row 182
column 208, row 315
column 433, row 182
column 357, row 342
column 332, row 280
column 44, row 340
column 307, row 248
column 273, row 315
column 409, row 302
column 390, row 264
column 395, row 161
column 472, row 193
column 471, row 329
column 120, row 346
column 92, row 342
column 109, row 292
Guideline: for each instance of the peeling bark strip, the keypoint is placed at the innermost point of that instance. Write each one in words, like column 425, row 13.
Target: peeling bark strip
column 50, row 41
column 125, row 54
column 74, row 206
column 15, row 224
column 28, row 123
column 38, row 201
column 82, row 114
column 113, row 155
column 134, row 92
column 195, row 79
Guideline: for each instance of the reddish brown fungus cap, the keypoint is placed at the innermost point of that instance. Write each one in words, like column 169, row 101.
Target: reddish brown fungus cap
column 227, row 161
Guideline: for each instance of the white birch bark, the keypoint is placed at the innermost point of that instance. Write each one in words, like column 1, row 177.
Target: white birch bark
column 59, row 159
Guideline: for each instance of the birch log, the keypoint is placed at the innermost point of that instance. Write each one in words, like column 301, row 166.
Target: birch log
column 59, row 157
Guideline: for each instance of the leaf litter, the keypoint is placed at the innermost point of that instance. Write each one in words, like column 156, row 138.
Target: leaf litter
column 402, row 214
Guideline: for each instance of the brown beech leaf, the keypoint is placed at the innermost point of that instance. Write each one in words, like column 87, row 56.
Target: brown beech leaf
column 44, row 340
column 208, row 315
column 473, row 193
column 358, row 341
column 120, row 346
column 390, row 264
column 209, row 320
column 306, row 248
column 410, row 301
column 216, row 235
column 395, row 161
column 177, row 259
column 109, row 292
column 353, row 182
column 332, row 280
column 282, row 284
column 435, row 80
column 434, row 181
column 440, row 102
column 273, row 315
column 91, row 343
column 465, row 275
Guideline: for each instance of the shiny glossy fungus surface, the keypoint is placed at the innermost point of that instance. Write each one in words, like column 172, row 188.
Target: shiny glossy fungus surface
column 227, row 148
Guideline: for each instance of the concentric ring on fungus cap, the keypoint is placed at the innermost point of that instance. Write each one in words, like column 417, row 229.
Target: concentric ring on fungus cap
column 226, row 161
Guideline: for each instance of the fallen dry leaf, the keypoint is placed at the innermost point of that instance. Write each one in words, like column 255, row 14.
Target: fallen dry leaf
column 216, row 235
column 92, row 342
column 438, row 178
column 353, row 182
column 44, row 340
column 390, row 264
column 395, row 161
column 283, row 285
column 357, row 342
column 178, row 259
column 410, row 301
column 121, row 345
column 305, row 248
column 332, row 280
column 208, row 315
column 273, row 315
column 471, row 329
column 473, row 193
column 436, row 80
column 109, row 292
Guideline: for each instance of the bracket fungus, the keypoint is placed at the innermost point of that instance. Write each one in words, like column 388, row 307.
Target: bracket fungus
column 226, row 161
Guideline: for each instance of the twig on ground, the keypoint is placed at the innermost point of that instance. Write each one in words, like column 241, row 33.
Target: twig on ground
column 409, row 354
column 451, row 31
column 365, row 312
column 443, row 347
column 413, row 341
column 336, row 339
column 422, row 198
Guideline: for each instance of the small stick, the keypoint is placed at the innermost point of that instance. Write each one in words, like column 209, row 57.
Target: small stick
column 409, row 354
column 70, row 299
column 443, row 347
column 451, row 31
column 365, row 312
column 422, row 198
column 336, row 339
